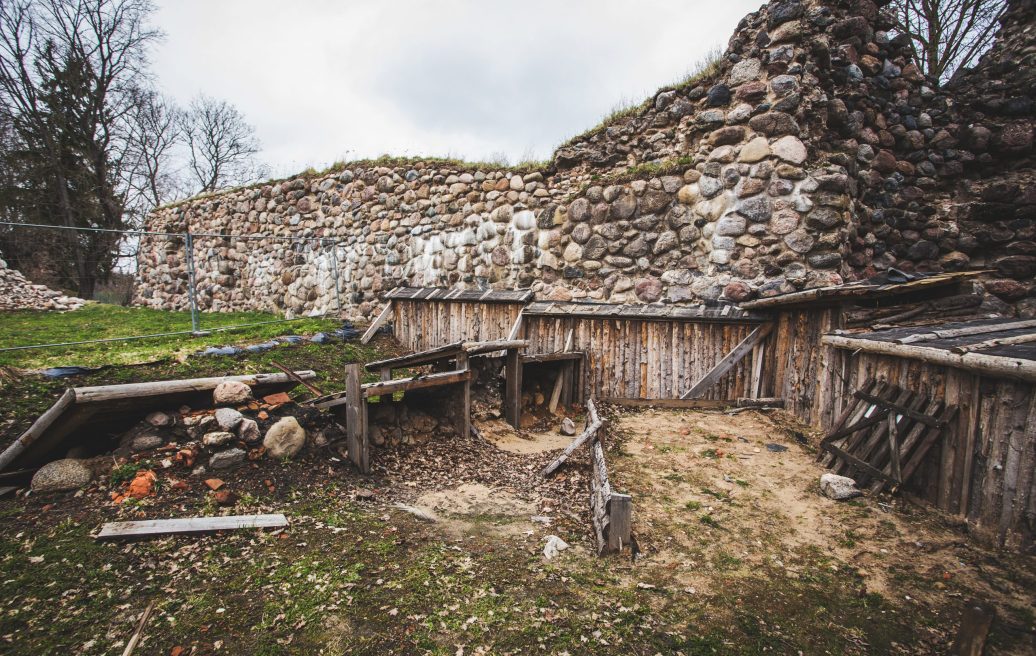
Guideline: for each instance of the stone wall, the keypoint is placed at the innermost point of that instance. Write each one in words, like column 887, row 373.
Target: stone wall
column 814, row 153
column 19, row 293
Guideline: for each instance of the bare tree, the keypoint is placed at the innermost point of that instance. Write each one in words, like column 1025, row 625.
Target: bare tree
column 68, row 73
column 222, row 144
column 155, row 133
column 948, row 34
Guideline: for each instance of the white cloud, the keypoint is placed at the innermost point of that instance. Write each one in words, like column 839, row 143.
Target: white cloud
column 324, row 80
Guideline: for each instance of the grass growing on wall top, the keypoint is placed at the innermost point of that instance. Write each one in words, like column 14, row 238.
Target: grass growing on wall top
column 705, row 68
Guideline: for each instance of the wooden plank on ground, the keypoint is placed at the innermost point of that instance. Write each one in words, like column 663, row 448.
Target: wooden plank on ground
column 975, row 622
column 591, row 429
column 386, row 312
column 728, row 362
column 155, row 527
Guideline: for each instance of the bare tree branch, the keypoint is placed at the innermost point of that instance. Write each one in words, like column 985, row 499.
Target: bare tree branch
column 222, row 145
column 948, row 34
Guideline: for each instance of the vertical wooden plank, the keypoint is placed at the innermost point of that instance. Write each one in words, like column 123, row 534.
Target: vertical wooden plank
column 356, row 420
column 513, row 388
column 620, row 521
column 462, row 422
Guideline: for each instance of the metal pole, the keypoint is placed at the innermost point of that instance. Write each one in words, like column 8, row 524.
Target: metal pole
column 334, row 273
column 191, row 292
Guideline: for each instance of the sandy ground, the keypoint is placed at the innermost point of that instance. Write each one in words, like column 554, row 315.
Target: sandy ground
column 715, row 488
column 505, row 438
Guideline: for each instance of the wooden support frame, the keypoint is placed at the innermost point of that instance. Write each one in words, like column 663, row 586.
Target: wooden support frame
column 593, row 425
column 568, row 384
column 386, row 312
column 883, row 435
column 728, row 362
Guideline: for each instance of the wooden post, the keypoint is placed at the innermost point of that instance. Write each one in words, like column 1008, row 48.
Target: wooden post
column 513, row 391
column 462, row 421
column 356, row 420
column 620, row 521
column 897, row 472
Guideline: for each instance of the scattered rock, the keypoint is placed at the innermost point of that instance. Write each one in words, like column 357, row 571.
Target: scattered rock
column 61, row 476
column 217, row 439
column 231, row 392
column 227, row 459
column 228, row 418
column 554, row 546
column 568, row 427
column 838, row 487
column 285, row 438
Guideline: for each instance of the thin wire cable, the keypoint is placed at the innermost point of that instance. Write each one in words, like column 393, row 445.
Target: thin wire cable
column 162, row 234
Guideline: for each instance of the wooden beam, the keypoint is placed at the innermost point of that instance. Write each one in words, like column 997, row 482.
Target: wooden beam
column 134, row 391
column 595, row 423
column 697, row 404
column 966, row 331
column 899, row 408
column 993, row 343
column 513, row 388
column 552, row 357
column 462, row 420
column 418, row 359
column 516, row 328
column 728, row 362
column 386, row 312
column 356, row 438
column 38, row 428
column 384, row 387
column 994, row 365
column 477, row 348
column 153, row 527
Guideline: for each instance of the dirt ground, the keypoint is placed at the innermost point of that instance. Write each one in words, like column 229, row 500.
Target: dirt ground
column 737, row 494
column 440, row 551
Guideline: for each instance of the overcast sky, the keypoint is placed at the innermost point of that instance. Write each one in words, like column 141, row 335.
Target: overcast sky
column 325, row 80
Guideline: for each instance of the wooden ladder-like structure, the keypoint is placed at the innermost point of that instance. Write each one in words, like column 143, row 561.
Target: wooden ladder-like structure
column 883, row 435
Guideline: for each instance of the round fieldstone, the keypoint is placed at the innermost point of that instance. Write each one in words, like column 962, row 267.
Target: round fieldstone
column 784, row 222
column 738, row 291
column 285, row 438
column 755, row 150
column 667, row 241
column 61, row 476
column 731, row 225
column 757, row 209
column 774, row 124
column 718, row 96
column 231, row 392
column 648, row 289
column 595, row 248
column 799, row 241
column 624, row 206
column 790, row 149
column 745, row 70
column 581, row 233
column 579, row 210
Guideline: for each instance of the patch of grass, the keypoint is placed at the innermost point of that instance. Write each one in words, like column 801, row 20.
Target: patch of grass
column 692, row 505
column 709, row 520
column 99, row 321
column 124, row 473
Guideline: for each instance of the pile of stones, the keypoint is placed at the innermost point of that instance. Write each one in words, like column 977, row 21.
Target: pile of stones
column 19, row 293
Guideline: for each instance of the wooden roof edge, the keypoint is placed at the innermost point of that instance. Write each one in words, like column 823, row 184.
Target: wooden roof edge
column 857, row 289
column 998, row 366
column 456, row 295
column 645, row 311
column 413, row 359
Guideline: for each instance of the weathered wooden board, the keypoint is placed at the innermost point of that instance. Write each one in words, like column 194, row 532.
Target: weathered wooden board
column 154, row 527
